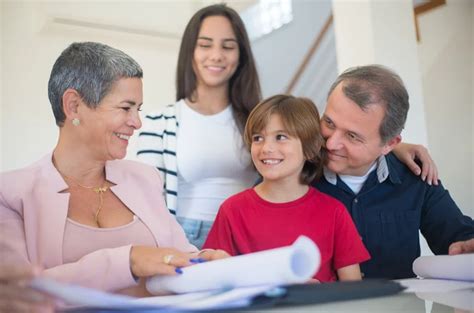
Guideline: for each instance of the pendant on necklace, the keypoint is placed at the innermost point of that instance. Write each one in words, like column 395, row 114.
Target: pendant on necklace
column 100, row 189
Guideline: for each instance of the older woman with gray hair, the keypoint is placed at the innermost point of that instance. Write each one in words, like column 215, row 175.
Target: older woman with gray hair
column 80, row 212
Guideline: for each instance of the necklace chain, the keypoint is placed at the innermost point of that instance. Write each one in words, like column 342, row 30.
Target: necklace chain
column 98, row 190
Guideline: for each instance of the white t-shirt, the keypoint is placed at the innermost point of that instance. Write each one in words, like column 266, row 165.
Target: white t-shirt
column 357, row 182
column 212, row 160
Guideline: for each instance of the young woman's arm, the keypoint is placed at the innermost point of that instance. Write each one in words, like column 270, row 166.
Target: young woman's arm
column 407, row 153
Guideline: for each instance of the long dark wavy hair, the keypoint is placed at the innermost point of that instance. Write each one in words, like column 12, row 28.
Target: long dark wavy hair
column 244, row 85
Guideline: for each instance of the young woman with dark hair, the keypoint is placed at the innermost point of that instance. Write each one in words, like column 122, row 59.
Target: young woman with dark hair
column 216, row 88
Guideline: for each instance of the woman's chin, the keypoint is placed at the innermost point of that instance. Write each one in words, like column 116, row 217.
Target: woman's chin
column 116, row 155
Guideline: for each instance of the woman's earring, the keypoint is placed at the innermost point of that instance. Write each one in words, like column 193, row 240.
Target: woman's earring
column 76, row 121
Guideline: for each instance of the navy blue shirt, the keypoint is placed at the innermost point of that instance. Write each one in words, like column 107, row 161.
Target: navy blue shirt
column 388, row 214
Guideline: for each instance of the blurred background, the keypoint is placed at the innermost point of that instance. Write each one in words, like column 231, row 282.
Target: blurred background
column 300, row 46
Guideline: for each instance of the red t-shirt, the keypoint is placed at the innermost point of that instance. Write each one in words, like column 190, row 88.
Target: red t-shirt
column 247, row 223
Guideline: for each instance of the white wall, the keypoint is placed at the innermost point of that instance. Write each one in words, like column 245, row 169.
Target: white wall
column 446, row 61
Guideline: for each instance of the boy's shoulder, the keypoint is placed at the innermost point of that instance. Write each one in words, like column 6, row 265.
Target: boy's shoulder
column 237, row 203
column 330, row 207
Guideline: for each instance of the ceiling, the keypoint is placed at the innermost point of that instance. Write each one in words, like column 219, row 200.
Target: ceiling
column 158, row 18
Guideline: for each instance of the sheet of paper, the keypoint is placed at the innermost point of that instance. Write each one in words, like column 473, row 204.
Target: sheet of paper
column 293, row 264
column 76, row 296
column 434, row 285
column 454, row 267
column 238, row 297
column 460, row 299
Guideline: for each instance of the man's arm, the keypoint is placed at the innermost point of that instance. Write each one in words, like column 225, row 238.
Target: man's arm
column 443, row 224
column 461, row 247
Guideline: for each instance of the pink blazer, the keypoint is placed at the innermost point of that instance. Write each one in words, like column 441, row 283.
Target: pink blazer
column 33, row 215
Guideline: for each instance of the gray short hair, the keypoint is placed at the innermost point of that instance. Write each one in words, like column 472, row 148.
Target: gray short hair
column 91, row 69
column 376, row 84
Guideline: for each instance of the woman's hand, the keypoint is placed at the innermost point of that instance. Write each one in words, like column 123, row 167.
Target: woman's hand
column 407, row 153
column 16, row 296
column 148, row 261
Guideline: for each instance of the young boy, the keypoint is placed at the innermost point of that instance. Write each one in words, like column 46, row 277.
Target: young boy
column 285, row 142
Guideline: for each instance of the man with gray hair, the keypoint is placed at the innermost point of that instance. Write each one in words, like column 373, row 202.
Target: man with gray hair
column 365, row 113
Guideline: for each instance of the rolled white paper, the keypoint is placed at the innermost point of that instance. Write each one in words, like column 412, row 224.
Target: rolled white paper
column 287, row 265
column 454, row 267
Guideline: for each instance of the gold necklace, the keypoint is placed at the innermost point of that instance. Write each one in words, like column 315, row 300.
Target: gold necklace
column 98, row 190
